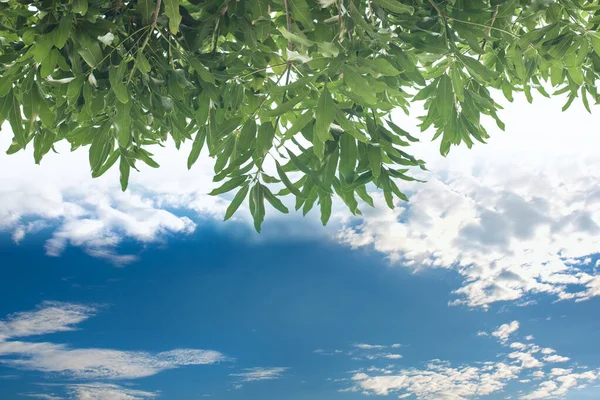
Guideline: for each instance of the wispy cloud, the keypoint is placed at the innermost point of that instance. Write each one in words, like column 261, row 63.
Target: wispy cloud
column 260, row 374
column 83, row 363
column 366, row 346
column 104, row 391
column 42, row 396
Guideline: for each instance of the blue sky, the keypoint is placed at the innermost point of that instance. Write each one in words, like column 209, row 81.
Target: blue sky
column 485, row 285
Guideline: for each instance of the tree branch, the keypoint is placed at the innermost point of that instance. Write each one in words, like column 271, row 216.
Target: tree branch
column 489, row 29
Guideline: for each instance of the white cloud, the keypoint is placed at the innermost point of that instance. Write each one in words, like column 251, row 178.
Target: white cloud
column 391, row 356
column 83, row 363
column 511, row 217
column 260, row 374
column 556, row 359
column 517, row 217
column 505, row 330
column 441, row 380
column 42, row 396
column 93, row 213
column 366, row 346
column 50, row 317
column 104, row 391
column 561, row 383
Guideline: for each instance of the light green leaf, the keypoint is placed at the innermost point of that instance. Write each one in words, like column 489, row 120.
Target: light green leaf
column 301, row 12
column 172, row 11
column 324, row 115
column 80, row 6
column 295, row 39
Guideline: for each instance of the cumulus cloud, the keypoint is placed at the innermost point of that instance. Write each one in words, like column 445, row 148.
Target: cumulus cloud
column 260, row 374
column 556, row 359
column 517, row 217
column 439, row 381
column 93, row 213
column 83, row 363
column 505, row 330
column 559, row 386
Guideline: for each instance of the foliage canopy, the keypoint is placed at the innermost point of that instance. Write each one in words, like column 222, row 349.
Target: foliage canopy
column 305, row 85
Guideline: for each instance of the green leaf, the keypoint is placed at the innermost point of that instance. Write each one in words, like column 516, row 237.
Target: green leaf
column 348, row 157
column 63, row 31
column 80, row 6
column 298, row 124
column 124, row 169
column 457, row 83
column 476, row 68
column 112, row 159
column 324, row 115
column 295, row 39
column 286, row 181
column 264, row 140
column 100, row 147
column 42, row 47
column 142, row 63
column 236, row 202
column 123, row 123
column 325, row 203
column 229, row 185
column 5, row 86
column 121, row 92
column 200, row 69
column 91, row 54
column 595, row 41
column 301, row 13
column 361, row 191
column 172, row 11
column 444, row 99
column 146, row 8
column 374, row 156
column 359, row 85
column 196, row 148
column 274, row 201
column 257, row 205
column 310, row 173
column 395, row 6
column 380, row 65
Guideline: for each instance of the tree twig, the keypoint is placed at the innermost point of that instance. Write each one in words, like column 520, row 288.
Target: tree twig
column 489, row 29
column 152, row 27
column 437, row 9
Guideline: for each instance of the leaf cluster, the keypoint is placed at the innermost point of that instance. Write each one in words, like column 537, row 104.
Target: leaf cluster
column 301, row 87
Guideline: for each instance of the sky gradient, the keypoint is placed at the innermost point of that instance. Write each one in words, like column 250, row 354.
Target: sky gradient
column 484, row 285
